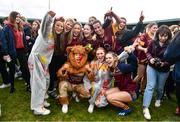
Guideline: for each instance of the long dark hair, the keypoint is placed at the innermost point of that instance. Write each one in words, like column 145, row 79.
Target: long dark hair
column 34, row 33
column 12, row 19
column 12, row 16
column 58, row 38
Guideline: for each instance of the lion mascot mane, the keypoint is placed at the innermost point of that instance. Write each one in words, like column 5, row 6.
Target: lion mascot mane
column 71, row 74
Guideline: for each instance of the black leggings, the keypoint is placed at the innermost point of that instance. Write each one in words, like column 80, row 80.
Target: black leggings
column 178, row 93
column 56, row 63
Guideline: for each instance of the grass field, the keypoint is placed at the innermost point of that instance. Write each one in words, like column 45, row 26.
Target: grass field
column 16, row 107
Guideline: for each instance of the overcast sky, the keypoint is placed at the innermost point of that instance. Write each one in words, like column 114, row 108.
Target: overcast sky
column 82, row 9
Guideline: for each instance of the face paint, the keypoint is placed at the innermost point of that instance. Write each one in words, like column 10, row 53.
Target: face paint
column 78, row 57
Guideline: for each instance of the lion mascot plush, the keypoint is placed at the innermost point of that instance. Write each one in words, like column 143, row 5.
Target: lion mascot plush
column 72, row 73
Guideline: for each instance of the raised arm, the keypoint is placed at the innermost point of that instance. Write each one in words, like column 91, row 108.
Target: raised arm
column 130, row 66
column 46, row 23
column 138, row 26
column 107, row 19
column 116, row 17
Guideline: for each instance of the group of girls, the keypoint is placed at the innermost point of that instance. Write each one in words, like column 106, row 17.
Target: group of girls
column 117, row 53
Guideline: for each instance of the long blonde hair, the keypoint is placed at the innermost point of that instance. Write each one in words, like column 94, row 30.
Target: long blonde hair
column 80, row 37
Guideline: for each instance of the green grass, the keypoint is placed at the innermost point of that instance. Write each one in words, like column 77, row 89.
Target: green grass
column 16, row 107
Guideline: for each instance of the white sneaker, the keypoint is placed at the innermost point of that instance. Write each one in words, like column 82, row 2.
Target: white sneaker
column 42, row 111
column 146, row 113
column 5, row 85
column 20, row 78
column 91, row 108
column 65, row 108
column 158, row 103
column 46, row 104
column 77, row 99
column 74, row 95
column 46, row 96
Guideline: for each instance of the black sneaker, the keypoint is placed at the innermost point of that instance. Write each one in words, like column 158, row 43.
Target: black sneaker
column 53, row 94
column 28, row 88
column 12, row 90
